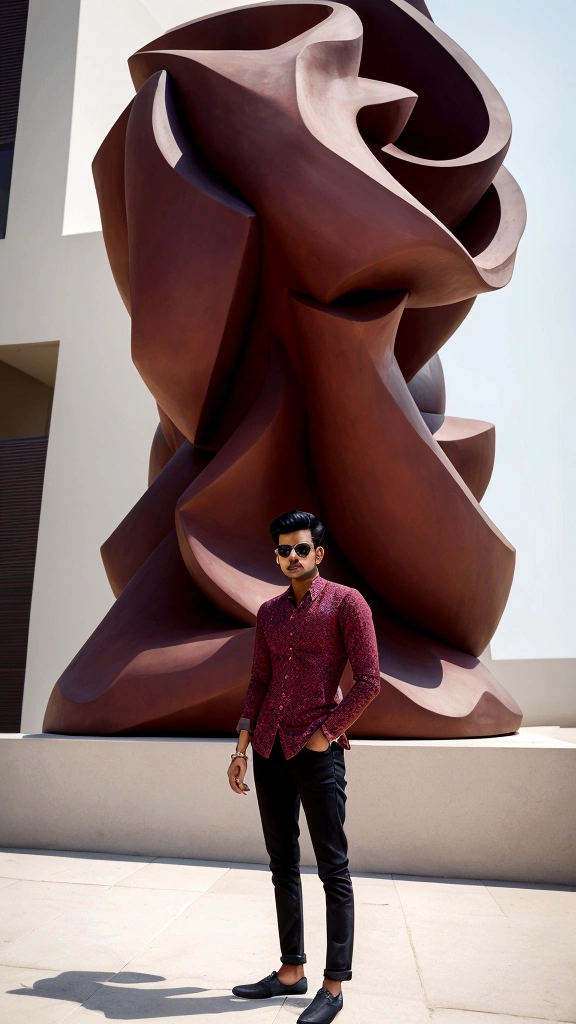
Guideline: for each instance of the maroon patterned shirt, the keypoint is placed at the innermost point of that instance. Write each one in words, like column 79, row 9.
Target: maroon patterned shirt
column 300, row 652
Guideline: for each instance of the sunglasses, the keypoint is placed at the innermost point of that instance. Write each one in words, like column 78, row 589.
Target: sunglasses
column 302, row 550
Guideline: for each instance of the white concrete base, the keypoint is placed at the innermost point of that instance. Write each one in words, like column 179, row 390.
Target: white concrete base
column 501, row 808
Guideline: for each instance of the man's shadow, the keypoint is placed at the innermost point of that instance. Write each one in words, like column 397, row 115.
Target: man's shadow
column 118, row 1000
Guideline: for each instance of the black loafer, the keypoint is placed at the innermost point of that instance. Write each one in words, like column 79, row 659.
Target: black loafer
column 269, row 987
column 322, row 1009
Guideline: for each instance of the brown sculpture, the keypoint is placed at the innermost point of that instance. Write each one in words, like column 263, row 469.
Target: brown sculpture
column 300, row 206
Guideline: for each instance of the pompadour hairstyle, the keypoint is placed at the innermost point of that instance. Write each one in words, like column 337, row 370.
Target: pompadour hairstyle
column 291, row 521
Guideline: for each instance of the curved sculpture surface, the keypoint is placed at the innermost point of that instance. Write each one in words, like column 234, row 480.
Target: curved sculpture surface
column 300, row 206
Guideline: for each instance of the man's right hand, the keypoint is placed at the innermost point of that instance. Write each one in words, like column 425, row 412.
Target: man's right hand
column 236, row 773
column 318, row 741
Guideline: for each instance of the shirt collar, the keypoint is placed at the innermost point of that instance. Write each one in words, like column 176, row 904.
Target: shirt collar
column 312, row 593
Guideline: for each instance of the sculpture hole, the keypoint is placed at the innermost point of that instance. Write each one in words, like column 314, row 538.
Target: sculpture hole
column 479, row 228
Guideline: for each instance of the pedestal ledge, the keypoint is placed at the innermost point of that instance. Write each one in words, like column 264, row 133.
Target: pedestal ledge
column 497, row 808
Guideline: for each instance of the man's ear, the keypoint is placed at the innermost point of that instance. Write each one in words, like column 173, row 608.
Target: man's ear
column 319, row 555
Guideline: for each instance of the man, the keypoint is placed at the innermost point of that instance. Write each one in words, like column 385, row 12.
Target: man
column 296, row 718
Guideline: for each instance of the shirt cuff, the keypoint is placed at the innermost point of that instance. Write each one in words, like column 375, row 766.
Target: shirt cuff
column 245, row 723
column 326, row 730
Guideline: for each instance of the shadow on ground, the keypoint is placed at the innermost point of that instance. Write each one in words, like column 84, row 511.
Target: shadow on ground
column 116, row 996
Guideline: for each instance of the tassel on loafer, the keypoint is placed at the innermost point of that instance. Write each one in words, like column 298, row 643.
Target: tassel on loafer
column 271, row 986
column 322, row 1009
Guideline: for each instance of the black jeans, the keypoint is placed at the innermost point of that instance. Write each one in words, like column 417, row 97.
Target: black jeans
column 318, row 781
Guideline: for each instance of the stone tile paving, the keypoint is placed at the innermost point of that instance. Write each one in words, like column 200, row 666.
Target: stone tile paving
column 88, row 937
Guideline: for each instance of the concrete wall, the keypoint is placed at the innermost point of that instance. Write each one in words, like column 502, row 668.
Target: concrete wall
column 545, row 688
column 501, row 809
column 55, row 287
column 55, row 284
column 108, row 32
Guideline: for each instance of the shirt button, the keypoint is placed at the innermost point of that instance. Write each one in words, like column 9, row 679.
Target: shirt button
column 291, row 634
column 280, row 707
column 289, row 659
column 283, row 694
column 285, row 677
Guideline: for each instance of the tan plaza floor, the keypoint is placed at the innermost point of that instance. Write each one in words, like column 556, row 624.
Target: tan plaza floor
column 88, row 937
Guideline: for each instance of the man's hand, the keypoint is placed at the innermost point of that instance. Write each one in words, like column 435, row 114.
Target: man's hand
column 318, row 741
column 236, row 773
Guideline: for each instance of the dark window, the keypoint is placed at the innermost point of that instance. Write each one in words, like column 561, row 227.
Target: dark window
column 22, row 462
column 13, row 18
column 27, row 378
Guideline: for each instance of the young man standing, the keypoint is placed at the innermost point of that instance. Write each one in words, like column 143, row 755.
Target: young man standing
column 296, row 718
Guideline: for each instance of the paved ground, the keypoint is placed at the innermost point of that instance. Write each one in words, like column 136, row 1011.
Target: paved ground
column 86, row 937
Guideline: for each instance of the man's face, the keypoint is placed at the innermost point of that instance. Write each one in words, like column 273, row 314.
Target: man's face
column 298, row 566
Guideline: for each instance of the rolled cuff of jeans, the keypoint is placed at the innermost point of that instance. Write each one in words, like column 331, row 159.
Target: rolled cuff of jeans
column 338, row 975
column 296, row 959
column 245, row 723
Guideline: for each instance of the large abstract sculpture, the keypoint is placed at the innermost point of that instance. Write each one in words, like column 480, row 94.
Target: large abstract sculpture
column 300, row 206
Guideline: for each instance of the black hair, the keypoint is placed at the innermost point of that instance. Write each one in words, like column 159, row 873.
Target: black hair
column 292, row 521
